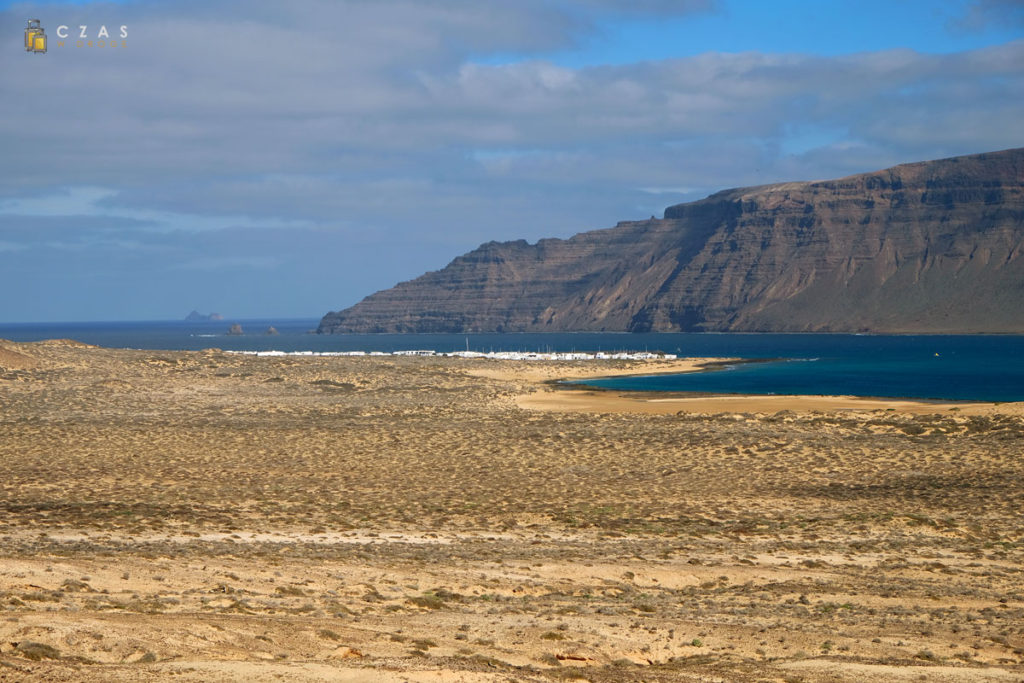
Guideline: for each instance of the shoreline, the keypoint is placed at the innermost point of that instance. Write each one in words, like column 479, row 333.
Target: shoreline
column 692, row 365
column 559, row 385
column 569, row 394
column 553, row 374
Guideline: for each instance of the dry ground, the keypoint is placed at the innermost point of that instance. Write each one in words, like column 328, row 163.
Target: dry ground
column 205, row 516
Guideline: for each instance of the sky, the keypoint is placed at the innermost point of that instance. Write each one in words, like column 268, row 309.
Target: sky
column 266, row 159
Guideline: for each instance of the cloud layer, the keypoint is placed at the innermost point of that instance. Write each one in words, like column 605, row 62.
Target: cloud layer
column 333, row 148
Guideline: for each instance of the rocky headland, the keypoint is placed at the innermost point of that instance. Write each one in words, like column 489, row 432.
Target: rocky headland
column 929, row 247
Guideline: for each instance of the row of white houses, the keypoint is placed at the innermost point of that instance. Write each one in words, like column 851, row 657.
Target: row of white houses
column 497, row 355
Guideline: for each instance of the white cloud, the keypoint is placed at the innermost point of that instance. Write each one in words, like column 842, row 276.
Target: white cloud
column 370, row 94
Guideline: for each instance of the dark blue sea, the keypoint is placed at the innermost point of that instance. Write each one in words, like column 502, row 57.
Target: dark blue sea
column 983, row 368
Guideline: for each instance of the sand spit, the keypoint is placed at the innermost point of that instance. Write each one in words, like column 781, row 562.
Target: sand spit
column 203, row 516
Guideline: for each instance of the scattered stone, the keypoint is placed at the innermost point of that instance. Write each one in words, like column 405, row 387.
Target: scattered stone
column 37, row 651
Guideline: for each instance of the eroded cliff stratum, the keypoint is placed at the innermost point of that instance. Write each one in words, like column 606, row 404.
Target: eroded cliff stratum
column 926, row 247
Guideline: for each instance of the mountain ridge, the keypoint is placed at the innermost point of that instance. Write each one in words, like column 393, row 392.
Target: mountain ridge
column 934, row 246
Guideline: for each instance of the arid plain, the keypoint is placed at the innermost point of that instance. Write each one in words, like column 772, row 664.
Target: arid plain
column 201, row 516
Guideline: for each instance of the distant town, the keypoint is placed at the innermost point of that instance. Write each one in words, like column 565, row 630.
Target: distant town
column 496, row 355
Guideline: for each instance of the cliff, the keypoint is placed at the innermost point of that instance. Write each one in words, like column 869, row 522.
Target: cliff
column 926, row 247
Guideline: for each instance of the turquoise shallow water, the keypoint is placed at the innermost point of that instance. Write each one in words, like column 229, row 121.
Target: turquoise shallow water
column 984, row 368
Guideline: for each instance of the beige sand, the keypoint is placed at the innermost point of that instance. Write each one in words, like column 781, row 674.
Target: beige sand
column 209, row 517
column 652, row 404
column 13, row 360
column 546, row 371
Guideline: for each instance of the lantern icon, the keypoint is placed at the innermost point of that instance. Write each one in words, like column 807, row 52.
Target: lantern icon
column 35, row 37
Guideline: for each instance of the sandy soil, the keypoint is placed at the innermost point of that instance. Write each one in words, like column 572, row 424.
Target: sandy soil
column 13, row 360
column 544, row 371
column 210, row 517
column 652, row 403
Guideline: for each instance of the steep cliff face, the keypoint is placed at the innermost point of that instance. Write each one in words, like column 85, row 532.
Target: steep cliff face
column 926, row 247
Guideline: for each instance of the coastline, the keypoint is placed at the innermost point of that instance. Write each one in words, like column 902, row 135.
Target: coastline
column 554, row 385
column 554, row 394
column 551, row 373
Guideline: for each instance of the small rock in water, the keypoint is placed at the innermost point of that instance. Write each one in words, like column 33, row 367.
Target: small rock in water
column 235, row 329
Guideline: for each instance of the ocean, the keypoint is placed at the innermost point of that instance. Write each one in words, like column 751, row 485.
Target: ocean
column 976, row 367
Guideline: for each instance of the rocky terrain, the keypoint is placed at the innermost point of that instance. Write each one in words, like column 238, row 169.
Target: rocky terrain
column 933, row 247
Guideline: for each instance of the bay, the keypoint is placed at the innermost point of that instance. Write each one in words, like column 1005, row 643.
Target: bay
column 960, row 367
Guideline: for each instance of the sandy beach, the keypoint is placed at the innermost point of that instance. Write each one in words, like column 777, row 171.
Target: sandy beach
column 202, row 516
column 656, row 403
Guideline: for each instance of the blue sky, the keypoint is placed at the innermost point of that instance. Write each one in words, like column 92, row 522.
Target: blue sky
column 262, row 159
column 820, row 28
